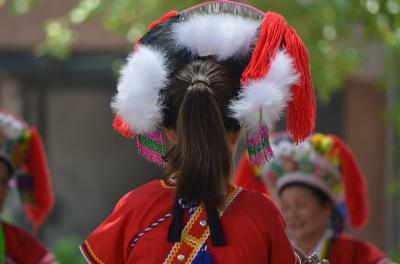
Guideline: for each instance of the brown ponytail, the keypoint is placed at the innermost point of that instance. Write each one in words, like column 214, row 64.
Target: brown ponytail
column 197, row 108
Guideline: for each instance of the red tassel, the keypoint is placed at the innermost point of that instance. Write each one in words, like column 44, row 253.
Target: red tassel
column 354, row 184
column 37, row 167
column 269, row 41
column 122, row 127
column 302, row 107
column 276, row 34
column 247, row 178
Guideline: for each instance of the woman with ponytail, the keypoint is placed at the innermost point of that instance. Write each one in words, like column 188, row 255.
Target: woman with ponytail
column 182, row 95
column 320, row 189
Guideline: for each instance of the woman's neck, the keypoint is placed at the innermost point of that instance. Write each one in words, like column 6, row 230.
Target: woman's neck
column 308, row 244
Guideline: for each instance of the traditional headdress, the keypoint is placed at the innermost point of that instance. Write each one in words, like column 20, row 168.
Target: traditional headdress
column 259, row 49
column 22, row 150
column 323, row 162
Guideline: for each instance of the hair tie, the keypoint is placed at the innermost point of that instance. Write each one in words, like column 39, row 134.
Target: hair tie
column 200, row 81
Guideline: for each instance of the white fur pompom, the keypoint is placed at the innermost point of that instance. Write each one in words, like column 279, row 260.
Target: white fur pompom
column 222, row 35
column 142, row 78
column 271, row 93
column 10, row 126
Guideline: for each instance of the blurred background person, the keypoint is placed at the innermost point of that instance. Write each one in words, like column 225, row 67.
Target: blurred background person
column 23, row 165
column 320, row 189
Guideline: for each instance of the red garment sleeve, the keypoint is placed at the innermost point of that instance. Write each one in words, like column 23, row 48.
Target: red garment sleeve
column 347, row 249
column 367, row 253
column 22, row 247
column 108, row 243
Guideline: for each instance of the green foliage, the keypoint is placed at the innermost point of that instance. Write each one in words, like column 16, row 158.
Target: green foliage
column 394, row 188
column 335, row 31
column 21, row 6
column 396, row 257
column 67, row 252
column 59, row 39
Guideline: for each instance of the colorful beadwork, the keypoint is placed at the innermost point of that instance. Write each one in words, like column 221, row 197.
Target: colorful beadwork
column 152, row 146
column 258, row 145
column 324, row 144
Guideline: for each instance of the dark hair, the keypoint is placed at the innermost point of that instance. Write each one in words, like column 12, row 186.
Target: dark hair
column 8, row 165
column 196, row 105
column 320, row 195
column 337, row 220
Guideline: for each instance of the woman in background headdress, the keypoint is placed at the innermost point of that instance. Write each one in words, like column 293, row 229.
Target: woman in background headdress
column 23, row 161
column 319, row 188
column 199, row 76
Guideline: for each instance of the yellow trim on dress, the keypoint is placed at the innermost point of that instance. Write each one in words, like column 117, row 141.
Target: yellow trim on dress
column 93, row 255
column 166, row 185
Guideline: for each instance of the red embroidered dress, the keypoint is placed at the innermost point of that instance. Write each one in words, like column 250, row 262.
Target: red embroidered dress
column 253, row 226
column 22, row 248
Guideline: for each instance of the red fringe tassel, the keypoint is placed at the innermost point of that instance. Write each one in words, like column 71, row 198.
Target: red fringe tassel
column 302, row 107
column 269, row 41
column 276, row 34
